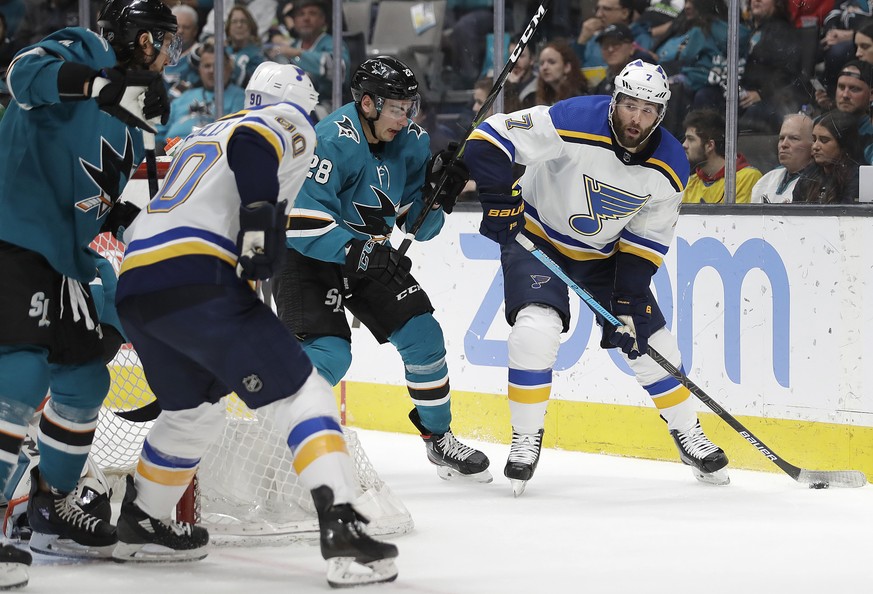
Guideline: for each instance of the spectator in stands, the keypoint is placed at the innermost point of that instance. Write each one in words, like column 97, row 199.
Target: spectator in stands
column 617, row 46
column 659, row 16
column 770, row 87
column 312, row 49
column 864, row 42
column 606, row 13
column 837, row 39
column 836, row 151
column 704, row 146
column 467, row 23
column 12, row 12
column 440, row 134
column 520, row 88
column 42, row 17
column 693, row 54
column 795, row 154
column 196, row 107
column 853, row 96
column 244, row 44
column 263, row 11
column 183, row 75
column 559, row 76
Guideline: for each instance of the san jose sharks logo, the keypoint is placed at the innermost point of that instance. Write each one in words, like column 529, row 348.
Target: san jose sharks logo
column 347, row 129
column 416, row 129
column 373, row 217
column 605, row 202
column 539, row 280
column 107, row 176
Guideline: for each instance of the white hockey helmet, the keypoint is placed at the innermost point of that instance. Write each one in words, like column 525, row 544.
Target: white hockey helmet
column 274, row 83
column 644, row 81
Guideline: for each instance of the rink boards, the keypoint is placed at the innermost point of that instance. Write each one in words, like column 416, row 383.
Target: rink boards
column 769, row 311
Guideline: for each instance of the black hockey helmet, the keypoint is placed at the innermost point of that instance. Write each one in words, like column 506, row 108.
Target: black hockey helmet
column 384, row 77
column 121, row 22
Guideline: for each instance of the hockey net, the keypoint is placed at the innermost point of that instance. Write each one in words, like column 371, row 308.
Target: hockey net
column 245, row 488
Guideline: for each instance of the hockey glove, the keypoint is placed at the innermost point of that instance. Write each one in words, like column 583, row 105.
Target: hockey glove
column 261, row 240
column 635, row 314
column 120, row 216
column 457, row 176
column 377, row 261
column 135, row 97
column 502, row 217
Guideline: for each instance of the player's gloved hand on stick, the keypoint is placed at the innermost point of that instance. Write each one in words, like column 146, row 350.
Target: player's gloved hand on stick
column 261, row 239
column 457, row 176
column 136, row 97
column 377, row 261
column 502, row 217
column 635, row 314
column 120, row 216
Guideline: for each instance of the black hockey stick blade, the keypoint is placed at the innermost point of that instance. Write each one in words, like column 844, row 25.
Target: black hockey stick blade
column 147, row 413
column 814, row 478
column 478, row 119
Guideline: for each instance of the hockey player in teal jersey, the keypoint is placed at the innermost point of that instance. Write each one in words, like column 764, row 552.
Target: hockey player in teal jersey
column 68, row 144
column 368, row 175
column 600, row 195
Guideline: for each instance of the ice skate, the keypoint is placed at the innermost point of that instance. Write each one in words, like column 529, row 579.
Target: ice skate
column 61, row 527
column 353, row 557
column 144, row 539
column 14, row 567
column 707, row 461
column 452, row 458
column 524, row 454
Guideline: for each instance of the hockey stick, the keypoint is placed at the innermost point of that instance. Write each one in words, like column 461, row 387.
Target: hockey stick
column 478, row 119
column 148, row 140
column 814, row 478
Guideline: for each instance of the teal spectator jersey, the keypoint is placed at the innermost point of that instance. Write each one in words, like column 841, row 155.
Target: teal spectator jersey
column 355, row 191
column 317, row 61
column 62, row 164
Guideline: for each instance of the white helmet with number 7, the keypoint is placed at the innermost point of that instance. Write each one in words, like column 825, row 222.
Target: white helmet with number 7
column 274, row 83
column 643, row 81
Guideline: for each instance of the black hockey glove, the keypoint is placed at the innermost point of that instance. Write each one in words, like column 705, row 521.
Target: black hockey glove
column 118, row 93
column 261, row 240
column 502, row 217
column 120, row 216
column 377, row 261
column 457, row 176
column 635, row 314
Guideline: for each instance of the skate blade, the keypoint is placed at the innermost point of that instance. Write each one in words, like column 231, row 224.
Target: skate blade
column 151, row 553
column 719, row 477
column 518, row 487
column 13, row 575
column 344, row 572
column 52, row 544
column 448, row 474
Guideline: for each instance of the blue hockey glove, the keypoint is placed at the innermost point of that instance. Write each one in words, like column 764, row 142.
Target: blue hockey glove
column 502, row 217
column 261, row 240
column 457, row 176
column 377, row 261
column 635, row 314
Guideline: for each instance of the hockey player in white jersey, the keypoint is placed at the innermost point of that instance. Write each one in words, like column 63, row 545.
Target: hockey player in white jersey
column 201, row 332
column 600, row 195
